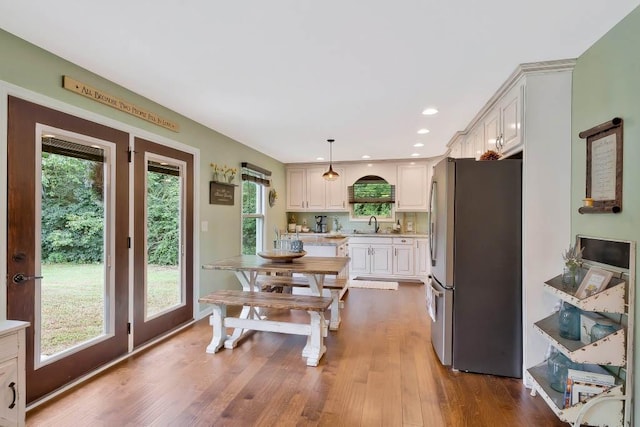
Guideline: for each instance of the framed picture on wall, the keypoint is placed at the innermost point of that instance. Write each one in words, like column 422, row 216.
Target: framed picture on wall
column 603, row 187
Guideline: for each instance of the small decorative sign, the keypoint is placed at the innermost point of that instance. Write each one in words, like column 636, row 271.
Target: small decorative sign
column 603, row 192
column 221, row 193
column 117, row 103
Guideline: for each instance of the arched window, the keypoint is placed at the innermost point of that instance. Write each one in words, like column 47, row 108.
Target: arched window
column 372, row 195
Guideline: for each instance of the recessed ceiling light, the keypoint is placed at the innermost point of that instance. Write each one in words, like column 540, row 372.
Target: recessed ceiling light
column 415, row 154
column 319, row 158
column 418, row 144
column 366, row 156
column 423, row 131
column 430, row 111
column 369, row 164
column 48, row 135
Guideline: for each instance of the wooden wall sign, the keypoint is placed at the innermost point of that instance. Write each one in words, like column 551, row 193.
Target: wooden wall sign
column 221, row 193
column 604, row 168
column 117, row 103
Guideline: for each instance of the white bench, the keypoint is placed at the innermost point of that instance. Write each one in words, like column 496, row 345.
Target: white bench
column 335, row 285
column 315, row 330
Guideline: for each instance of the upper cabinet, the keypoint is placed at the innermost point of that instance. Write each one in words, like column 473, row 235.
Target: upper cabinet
column 413, row 188
column 308, row 191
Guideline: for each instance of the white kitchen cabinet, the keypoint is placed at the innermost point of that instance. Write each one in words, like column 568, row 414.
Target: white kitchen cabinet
column 413, row 188
column 12, row 373
column 422, row 263
column 296, row 189
column 611, row 407
column 370, row 256
column 501, row 126
column 336, row 192
column 316, row 195
column 403, row 256
column 308, row 191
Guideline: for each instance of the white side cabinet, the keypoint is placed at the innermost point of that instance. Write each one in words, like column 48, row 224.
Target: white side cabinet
column 12, row 373
column 422, row 266
column 413, row 188
column 403, row 256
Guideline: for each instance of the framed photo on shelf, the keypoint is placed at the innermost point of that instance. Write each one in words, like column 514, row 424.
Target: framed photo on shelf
column 594, row 281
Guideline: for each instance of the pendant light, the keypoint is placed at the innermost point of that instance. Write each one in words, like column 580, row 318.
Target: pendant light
column 330, row 175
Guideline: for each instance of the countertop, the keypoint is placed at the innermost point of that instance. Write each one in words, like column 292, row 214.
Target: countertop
column 328, row 239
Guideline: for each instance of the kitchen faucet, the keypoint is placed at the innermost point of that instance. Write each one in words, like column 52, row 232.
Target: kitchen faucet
column 375, row 227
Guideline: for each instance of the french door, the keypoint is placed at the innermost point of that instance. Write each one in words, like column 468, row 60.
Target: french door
column 69, row 248
column 163, row 254
column 67, row 255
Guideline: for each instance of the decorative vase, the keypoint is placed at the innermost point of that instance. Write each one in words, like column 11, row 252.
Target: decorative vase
column 230, row 179
column 215, row 176
column 569, row 322
column 558, row 366
column 572, row 276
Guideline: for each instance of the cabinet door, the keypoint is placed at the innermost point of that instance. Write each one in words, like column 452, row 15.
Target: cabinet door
column 336, row 192
column 360, row 259
column 403, row 260
column 315, row 189
column 9, row 375
column 381, row 259
column 476, row 141
column 411, row 191
column 296, row 189
column 492, row 130
column 422, row 258
column 511, row 112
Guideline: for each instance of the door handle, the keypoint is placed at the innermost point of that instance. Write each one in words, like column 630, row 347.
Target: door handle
column 21, row 278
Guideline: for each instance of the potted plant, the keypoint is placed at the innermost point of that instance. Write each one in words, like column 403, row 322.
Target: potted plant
column 572, row 262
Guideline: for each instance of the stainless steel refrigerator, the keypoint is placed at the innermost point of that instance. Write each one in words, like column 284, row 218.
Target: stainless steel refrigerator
column 475, row 290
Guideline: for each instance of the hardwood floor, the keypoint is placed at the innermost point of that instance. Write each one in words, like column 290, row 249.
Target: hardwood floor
column 379, row 370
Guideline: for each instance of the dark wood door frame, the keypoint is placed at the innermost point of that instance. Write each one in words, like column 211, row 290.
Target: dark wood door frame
column 21, row 157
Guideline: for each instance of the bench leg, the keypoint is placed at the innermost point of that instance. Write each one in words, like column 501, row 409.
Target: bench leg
column 217, row 323
column 315, row 348
column 334, row 324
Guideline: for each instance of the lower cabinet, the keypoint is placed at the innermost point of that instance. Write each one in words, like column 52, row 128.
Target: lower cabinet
column 422, row 264
column 370, row 259
column 12, row 373
column 403, row 257
column 388, row 257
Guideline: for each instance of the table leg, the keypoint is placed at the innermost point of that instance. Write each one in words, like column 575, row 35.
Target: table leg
column 315, row 347
column 217, row 324
column 248, row 281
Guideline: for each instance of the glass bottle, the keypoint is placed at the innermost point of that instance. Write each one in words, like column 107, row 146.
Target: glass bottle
column 601, row 329
column 558, row 366
column 569, row 322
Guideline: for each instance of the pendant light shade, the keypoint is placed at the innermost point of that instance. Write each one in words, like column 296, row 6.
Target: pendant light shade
column 330, row 175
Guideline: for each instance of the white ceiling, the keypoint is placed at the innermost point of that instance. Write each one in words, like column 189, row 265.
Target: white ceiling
column 282, row 76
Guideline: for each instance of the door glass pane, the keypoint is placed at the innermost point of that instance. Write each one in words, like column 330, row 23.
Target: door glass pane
column 72, row 292
column 163, row 206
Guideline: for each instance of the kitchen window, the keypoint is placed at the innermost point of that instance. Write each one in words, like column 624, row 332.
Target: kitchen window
column 372, row 195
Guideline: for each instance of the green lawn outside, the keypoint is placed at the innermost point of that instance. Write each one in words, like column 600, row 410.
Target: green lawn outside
column 73, row 301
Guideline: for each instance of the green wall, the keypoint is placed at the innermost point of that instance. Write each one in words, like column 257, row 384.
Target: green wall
column 29, row 67
column 606, row 84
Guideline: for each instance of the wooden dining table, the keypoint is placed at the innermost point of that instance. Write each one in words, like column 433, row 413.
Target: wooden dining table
column 248, row 267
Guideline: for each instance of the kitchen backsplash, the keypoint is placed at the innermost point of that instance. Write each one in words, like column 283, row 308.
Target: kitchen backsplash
column 420, row 221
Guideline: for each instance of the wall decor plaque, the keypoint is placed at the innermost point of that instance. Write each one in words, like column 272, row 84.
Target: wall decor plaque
column 603, row 192
column 221, row 193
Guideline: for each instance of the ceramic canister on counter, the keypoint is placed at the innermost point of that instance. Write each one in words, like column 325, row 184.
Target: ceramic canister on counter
column 296, row 246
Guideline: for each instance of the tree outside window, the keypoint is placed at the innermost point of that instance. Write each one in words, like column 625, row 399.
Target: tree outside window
column 252, row 217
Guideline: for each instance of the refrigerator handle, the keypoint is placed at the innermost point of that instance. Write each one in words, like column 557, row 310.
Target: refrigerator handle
column 432, row 222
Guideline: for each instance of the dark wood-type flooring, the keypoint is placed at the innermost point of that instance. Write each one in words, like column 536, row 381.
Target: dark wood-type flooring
column 379, row 370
